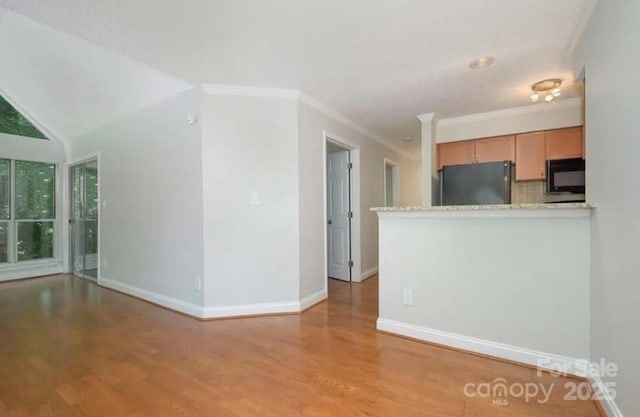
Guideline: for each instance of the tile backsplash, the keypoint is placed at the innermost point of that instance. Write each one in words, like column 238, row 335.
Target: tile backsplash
column 523, row 192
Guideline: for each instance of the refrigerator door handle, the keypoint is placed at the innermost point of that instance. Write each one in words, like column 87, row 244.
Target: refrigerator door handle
column 507, row 182
column 441, row 202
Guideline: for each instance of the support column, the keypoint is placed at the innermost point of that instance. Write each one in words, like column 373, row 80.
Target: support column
column 430, row 191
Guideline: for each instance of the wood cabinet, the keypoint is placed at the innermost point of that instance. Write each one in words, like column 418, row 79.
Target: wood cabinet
column 456, row 153
column 564, row 143
column 530, row 156
column 500, row 148
column 529, row 151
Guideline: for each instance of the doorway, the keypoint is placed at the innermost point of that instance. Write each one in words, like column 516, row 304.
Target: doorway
column 339, row 214
column 83, row 219
column 391, row 184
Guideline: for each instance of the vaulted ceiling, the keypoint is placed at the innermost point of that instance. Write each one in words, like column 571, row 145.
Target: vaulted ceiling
column 379, row 62
column 67, row 86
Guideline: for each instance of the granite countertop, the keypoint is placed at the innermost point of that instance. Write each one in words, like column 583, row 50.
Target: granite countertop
column 553, row 206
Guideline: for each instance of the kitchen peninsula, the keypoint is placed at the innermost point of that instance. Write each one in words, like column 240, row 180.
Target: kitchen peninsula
column 510, row 281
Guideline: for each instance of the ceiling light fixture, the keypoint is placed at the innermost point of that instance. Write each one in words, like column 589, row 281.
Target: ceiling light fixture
column 549, row 88
column 481, row 63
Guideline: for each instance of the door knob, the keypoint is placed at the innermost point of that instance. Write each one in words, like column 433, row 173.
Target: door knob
column 329, row 221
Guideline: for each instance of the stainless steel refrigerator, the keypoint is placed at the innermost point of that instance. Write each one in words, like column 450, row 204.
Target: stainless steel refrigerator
column 488, row 183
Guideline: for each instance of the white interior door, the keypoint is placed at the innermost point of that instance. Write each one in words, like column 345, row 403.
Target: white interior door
column 338, row 227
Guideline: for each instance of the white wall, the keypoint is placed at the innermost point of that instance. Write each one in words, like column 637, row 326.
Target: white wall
column 151, row 180
column 608, row 53
column 312, row 123
column 30, row 149
column 535, row 117
column 520, row 281
column 250, row 188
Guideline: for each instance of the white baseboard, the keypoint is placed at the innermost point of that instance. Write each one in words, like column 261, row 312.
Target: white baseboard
column 160, row 299
column 368, row 273
column 572, row 366
column 250, row 310
column 312, row 299
column 608, row 403
column 29, row 269
column 264, row 308
column 485, row 347
column 214, row 312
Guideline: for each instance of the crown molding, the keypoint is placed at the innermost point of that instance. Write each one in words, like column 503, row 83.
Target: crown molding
column 291, row 94
column 328, row 111
column 514, row 111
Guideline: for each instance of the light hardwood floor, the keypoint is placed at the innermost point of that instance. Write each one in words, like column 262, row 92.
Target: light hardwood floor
column 334, row 284
column 71, row 348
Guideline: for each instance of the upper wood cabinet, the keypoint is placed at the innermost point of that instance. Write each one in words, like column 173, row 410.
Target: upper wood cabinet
column 500, row 148
column 564, row 143
column 456, row 153
column 530, row 156
column 529, row 151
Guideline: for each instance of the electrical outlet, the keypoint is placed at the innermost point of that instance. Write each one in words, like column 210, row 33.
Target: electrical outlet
column 407, row 297
column 197, row 281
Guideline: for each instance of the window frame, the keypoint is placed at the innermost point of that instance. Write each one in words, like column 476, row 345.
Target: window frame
column 8, row 222
column 12, row 230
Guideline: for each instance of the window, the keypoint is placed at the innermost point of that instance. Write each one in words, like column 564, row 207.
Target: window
column 27, row 210
column 13, row 123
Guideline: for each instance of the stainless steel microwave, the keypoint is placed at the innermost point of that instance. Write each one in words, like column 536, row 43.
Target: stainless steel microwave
column 566, row 175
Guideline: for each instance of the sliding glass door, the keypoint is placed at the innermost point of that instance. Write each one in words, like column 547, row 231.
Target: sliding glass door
column 83, row 220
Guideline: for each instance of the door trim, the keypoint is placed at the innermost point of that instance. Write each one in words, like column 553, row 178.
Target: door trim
column 395, row 178
column 356, row 270
column 66, row 198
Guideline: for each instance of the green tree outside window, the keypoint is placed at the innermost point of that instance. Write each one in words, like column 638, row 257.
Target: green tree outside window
column 13, row 123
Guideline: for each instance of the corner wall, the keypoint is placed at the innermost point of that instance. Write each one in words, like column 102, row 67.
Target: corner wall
column 151, row 201
column 250, row 189
column 608, row 54
column 226, row 217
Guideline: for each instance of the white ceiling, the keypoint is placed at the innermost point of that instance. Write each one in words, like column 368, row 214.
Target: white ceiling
column 378, row 62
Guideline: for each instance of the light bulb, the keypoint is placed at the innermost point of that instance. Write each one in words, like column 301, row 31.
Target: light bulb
column 534, row 97
column 555, row 92
column 548, row 97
